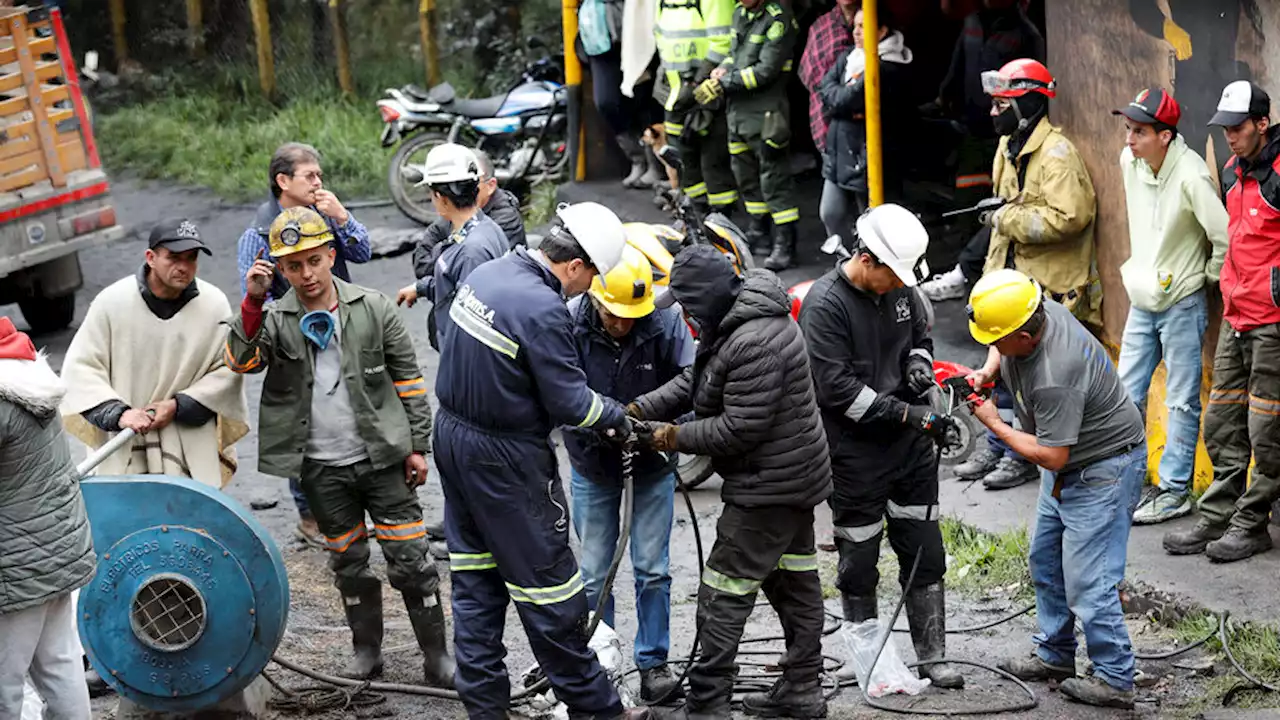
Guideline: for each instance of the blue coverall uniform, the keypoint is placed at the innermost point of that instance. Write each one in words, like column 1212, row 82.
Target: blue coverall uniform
column 510, row 375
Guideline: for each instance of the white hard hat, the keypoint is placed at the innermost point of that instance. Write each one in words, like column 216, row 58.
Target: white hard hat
column 898, row 239
column 598, row 231
column 451, row 162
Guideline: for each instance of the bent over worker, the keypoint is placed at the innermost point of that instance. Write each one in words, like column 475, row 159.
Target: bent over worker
column 872, row 358
column 751, row 394
column 511, row 374
column 344, row 408
column 1088, row 438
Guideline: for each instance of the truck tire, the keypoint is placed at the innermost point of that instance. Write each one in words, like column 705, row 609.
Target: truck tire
column 693, row 470
column 45, row 315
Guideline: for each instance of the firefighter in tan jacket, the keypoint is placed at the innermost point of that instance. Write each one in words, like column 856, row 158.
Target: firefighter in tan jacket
column 1046, row 228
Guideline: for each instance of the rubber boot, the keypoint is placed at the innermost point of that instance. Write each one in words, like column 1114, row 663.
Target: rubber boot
column 784, row 247
column 926, row 614
column 635, row 153
column 857, row 609
column 364, row 617
column 427, row 618
column 758, row 235
column 788, row 699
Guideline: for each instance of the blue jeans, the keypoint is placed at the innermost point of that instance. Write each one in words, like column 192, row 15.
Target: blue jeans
column 1176, row 336
column 299, row 499
column 1077, row 561
column 595, row 520
column 1004, row 402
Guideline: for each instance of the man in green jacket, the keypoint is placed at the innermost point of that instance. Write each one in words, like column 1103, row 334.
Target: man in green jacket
column 754, row 79
column 344, row 407
column 1177, row 241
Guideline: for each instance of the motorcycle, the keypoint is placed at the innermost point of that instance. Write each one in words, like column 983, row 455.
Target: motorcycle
column 523, row 131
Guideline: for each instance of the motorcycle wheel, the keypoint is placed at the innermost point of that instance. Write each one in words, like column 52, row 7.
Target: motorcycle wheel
column 969, row 432
column 413, row 200
column 693, row 470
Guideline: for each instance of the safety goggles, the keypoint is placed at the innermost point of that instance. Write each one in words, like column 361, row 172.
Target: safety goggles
column 993, row 83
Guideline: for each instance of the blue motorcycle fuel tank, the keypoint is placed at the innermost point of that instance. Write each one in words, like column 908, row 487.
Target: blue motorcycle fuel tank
column 529, row 97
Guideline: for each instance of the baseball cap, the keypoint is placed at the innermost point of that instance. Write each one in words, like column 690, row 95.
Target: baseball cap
column 1240, row 101
column 178, row 235
column 700, row 272
column 1152, row 106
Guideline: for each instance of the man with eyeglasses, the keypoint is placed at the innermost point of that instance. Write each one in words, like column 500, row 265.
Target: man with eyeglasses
column 297, row 181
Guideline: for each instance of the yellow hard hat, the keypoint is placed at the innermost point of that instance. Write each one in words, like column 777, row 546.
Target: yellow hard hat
column 649, row 240
column 1001, row 302
column 297, row 229
column 627, row 289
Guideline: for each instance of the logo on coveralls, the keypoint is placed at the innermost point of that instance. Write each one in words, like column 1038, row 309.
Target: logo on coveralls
column 472, row 304
column 903, row 309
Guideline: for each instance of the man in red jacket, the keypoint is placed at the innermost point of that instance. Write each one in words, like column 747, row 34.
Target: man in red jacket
column 1243, row 418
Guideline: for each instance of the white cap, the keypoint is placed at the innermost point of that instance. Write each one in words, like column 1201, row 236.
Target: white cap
column 898, row 239
column 597, row 230
column 451, row 162
column 1240, row 101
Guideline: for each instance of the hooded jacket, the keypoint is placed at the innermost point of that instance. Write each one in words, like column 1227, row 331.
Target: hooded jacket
column 1251, row 273
column 1175, row 219
column 844, row 162
column 752, row 396
column 45, row 546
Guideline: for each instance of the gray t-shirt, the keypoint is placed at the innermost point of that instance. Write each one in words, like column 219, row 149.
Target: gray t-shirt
column 334, row 439
column 1068, row 394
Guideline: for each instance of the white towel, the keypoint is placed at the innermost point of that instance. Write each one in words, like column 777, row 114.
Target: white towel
column 638, row 44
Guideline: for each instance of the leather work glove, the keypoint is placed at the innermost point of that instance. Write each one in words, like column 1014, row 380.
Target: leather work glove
column 633, row 410
column 919, row 375
column 924, row 419
column 708, row 91
column 662, row 437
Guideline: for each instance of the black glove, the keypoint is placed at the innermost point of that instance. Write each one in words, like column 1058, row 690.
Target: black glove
column 919, row 375
column 621, row 432
column 924, row 419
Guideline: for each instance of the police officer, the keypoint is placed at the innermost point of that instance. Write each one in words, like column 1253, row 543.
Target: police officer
column 754, row 78
column 511, row 374
column 692, row 39
column 872, row 361
column 344, row 408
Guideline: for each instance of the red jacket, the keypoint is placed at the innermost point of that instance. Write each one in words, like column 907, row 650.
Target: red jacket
column 1251, row 274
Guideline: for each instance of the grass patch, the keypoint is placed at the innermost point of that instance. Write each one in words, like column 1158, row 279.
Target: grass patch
column 979, row 562
column 225, row 146
column 539, row 205
column 1256, row 646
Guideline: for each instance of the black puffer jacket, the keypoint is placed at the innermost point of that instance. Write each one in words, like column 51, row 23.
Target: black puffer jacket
column 753, row 402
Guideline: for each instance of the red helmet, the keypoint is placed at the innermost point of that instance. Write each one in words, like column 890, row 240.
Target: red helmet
column 1018, row 78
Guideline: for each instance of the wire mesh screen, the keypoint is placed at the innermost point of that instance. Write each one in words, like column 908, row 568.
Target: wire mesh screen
column 168, row 614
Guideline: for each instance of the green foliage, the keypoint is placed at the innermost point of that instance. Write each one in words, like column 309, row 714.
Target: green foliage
column 979, row 561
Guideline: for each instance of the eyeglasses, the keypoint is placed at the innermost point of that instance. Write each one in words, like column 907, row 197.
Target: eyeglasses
column 316, row 176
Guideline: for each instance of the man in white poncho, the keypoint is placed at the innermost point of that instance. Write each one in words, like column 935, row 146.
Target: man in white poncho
column 150, row 356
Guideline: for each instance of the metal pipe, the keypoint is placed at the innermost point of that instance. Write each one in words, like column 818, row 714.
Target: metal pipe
column 430, row 48
column 573, row 79
column 871, row 92
column 108, row 449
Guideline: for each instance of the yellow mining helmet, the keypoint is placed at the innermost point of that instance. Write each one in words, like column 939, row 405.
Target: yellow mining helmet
column 1001, row 302
column 297, row 229
column 627, row 289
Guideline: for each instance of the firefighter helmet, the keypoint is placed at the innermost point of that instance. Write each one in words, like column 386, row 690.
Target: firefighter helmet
column 627, row 290
column 1019, row 77
column 298, row 229
column 1001, row 302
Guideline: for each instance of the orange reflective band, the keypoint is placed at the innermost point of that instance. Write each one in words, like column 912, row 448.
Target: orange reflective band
column 341, row 543
column 239, row 368
column 1227, row 397
column 407, row 531
column 411, row 388
column 414, row 381
column 968, row 181
column 1263, row 406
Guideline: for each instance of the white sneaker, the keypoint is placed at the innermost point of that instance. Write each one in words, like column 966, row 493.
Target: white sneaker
column 947, row 286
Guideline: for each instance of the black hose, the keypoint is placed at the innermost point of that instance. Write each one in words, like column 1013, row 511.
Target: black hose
column 1226, row 649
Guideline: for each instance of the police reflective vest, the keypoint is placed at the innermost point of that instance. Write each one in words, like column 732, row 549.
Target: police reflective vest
column 692, row 38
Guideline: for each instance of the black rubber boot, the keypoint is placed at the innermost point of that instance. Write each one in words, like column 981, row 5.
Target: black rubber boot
column 364, row 617
column 427, row 618
column 927, row 617
column 660, row 686
column 788, row 699
column 859, row 608
column 784, row 247
column 1193, row 541
column 758, row 235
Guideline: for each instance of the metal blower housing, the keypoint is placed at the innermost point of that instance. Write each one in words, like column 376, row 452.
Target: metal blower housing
column 190, row 598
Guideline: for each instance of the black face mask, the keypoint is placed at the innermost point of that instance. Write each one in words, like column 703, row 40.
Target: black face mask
column 1006, row 123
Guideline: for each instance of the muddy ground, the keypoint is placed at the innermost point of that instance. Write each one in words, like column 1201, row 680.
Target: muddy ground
column 316, row 636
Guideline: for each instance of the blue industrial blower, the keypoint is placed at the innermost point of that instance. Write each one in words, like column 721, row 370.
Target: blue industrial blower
column 191, row 597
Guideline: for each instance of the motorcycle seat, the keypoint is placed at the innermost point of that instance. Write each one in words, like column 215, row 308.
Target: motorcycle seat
column 477, row 108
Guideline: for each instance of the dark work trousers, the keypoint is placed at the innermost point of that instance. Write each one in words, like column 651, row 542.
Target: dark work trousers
column 606, row 90
column 1243, row 421
column 339, row 498
column 769, row 548
column 897, row 478
column 507, row 523
column 973, row 256
column 705, row 157
column 974, row 158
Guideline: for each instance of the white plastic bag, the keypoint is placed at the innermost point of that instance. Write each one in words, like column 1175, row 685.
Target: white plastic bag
column 607, row 646
column 32, row 705
column 891, row 674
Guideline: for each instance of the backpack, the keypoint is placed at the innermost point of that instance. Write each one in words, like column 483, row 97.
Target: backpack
column 593, row 27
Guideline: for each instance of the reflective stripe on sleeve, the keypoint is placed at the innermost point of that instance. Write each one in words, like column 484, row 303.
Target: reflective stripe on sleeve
column 411, row 388
column 477, row 328
column 861, row 404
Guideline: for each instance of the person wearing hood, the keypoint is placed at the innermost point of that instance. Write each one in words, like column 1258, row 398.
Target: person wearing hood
column 1177, row 241
column 1044, row 229
column 1242, row 421
column 45, row 540
column 844, row 162
column 755, row 414
column 872, row 358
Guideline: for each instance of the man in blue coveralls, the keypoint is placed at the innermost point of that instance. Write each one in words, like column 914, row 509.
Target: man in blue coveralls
column 510, row 375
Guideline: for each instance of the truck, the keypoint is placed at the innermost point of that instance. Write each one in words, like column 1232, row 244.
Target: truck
column 55, row 200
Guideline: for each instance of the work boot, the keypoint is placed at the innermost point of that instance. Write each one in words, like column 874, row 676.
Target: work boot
column 659, row 685
column 788, row 699
column 1033, row 667
column 926, row 615
column 758, row 235
column 634, row 152
column 427, row 618
column 364, row 617
column 857, row 609
column 1238, row 544
column 1010, row 472
column 980, row 465
column 1193, row 541
column 718, row 711
column 784, row 247
column 1095, row 691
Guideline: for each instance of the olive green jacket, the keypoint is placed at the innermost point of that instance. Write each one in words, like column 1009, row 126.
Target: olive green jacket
column 759, row 63
column 379, row 366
